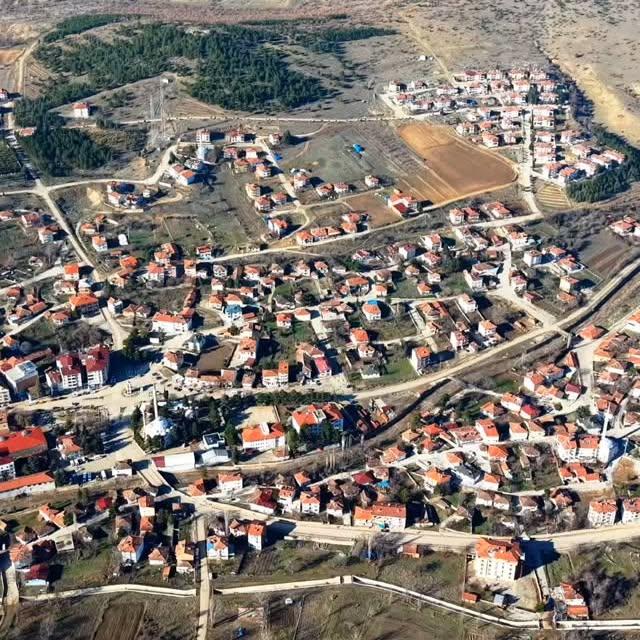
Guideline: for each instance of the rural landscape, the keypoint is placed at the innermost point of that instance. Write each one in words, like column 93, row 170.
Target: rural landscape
column 319, row 321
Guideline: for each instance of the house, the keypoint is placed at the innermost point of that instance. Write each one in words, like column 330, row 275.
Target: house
column 173, row 360
column 81, row 110
column 372, row 310
column 420, row 358
column 313, row 417
column 385, row 515
column 498, row 560
column 158, row 557
column 467, row 303
column 257, row 535
column 85, row 304
column 185, row 554
column 435, row 479
column 602, row 512
column 403, row 204
column 229, row 482
column 309, row 502
column 219, row 548
column 131, row 549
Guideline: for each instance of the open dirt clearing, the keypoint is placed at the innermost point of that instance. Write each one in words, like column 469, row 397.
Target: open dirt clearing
column 454, row 168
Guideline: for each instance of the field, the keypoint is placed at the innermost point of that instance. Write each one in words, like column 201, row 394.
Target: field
column 120, row 622
column 454, row 169
column 341, row 613
column 122, row 617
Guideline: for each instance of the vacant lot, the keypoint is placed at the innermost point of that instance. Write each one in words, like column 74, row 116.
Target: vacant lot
column 120, row 622
column 454, row 168
column 380, row 215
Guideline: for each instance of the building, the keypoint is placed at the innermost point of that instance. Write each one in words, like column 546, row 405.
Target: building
column 85, row 304
column 228, row 482
column 23, row 444
column 81, row 110
column 385, row 515
column 7, row 469
column 263, row 437
column 602, row 512
column 131, row 549
column 26, row 485
column 170, row 324
column 498, row 560
column 314, row 417
column 257, row 535
column 420, row 358
column 630, row 510
column 22, row 376
column 219, row 548
column 309, row 502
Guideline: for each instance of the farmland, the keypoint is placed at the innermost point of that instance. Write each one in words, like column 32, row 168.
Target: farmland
column 120, row 622
column 454, row 169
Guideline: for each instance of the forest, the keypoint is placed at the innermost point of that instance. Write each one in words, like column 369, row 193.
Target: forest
column 56, row 151
column 237, row 67
column 608, row 183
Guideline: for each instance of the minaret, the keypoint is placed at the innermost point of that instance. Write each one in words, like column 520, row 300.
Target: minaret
column 155, row 403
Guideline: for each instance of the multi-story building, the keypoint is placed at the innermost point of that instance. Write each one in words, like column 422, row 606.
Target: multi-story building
column 171, row 324
column 602, row 512
column 630, row 510
column 498, row 560
column 257, row 535
column 263, row 437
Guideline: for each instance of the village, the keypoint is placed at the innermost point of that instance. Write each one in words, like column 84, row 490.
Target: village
column 305, row 354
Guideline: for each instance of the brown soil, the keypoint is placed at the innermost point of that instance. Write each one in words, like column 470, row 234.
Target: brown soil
column 454, row 168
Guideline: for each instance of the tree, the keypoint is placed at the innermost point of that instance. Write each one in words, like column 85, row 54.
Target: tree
column 231, row 435
column 293, row 441
column 129, row 346
column 136, row 419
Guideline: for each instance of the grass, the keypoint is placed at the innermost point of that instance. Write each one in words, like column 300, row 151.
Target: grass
column 454, row 284
column 354, row 612
column 438, row 573
column 86, row 572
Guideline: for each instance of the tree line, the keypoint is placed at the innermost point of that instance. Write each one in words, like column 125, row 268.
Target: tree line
column 78, row 24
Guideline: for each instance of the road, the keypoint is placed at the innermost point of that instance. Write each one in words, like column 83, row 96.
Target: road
column 204, row 587
column 445, row 539
column 525, row 168
column 113, row 588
